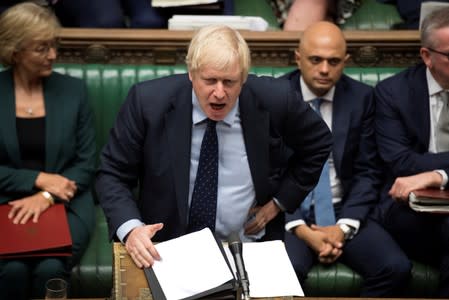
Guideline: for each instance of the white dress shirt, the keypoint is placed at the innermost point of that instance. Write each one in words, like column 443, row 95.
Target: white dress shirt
column 336, row 188
column 436, row 105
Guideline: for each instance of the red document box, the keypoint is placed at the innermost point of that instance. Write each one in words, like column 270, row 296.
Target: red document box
column 50, row 236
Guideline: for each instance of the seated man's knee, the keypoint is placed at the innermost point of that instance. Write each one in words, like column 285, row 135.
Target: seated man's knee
column 399, row 270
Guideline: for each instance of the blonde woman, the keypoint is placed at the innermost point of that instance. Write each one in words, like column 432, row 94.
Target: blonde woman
column 47, row 145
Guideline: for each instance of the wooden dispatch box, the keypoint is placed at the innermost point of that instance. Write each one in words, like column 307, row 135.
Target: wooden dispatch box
column 130, row 282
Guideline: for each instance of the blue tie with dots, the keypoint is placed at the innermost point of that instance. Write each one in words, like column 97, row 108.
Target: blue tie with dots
column 321, row 194
column 203, row 206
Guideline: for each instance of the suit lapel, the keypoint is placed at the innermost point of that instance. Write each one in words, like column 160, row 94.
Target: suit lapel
column 255, row 126
column 8, row 117
column 55, row 114
column 178, row 122
column 341, row 118
column 418, row 106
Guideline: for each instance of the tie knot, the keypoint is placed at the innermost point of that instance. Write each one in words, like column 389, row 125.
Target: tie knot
column 444, row 94
column 316, row 103
column 211, row 123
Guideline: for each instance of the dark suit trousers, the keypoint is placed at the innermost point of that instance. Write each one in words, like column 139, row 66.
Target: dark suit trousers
column 372, row 253
column 424, row 237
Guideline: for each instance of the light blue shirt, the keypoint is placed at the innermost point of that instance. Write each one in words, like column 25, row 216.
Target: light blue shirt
column 236, row 193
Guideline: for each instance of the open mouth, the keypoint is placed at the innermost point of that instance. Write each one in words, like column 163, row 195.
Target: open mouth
column 217, row 106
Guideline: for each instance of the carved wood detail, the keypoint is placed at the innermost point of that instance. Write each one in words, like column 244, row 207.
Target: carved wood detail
column 271, row 48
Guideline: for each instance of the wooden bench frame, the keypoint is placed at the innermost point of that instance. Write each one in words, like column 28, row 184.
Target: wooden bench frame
column 270, row 48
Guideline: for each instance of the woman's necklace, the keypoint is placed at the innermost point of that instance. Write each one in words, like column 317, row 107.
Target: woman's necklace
column 29, row 111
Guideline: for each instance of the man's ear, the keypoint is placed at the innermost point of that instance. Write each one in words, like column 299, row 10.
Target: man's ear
column 298, row 58
column 425, row 55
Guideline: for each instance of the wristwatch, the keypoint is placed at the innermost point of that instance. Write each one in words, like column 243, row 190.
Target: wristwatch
column 48, row 197
column 348, row 231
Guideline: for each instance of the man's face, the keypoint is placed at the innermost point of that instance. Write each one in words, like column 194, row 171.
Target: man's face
column 217, row 90
column 437, row 58
column 321, row 60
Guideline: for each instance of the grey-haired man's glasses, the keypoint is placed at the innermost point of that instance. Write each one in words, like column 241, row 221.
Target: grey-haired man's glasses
column 439, row 52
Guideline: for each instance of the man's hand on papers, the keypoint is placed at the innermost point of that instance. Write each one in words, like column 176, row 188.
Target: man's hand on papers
column 140, row 247
column 262, row 215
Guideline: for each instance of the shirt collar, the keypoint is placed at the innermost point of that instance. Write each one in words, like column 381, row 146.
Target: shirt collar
column 199, row 116
column 308, row 95
column 433, row 86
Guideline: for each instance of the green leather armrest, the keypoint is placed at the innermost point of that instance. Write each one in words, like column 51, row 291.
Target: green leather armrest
column 337, row 280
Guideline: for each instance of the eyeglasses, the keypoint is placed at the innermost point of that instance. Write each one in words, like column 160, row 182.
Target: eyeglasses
column 43, row 48
column 439, row 52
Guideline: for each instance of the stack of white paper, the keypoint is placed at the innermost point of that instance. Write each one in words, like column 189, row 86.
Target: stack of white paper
column 194, row 263
column 193, row 22
column 191, row 264
column 269, row 269
column 169, row 3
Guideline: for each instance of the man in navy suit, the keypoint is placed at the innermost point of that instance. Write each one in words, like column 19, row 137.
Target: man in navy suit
column 348, row 109
column 416, row 155
column 156, row 140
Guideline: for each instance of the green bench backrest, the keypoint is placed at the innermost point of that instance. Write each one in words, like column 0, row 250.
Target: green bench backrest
column 108, row 84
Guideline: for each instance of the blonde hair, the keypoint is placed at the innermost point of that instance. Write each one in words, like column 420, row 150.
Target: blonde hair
column 23, row 23
column 218, row 46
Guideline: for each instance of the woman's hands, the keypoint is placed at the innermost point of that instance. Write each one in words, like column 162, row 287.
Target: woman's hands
column 57, row 185
column 28, row 208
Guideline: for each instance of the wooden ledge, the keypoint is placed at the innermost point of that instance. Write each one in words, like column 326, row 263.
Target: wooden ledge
column 270, row 48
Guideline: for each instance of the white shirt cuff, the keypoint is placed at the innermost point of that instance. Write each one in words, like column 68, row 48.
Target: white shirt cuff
column 126, row 228
column 444, row 175
column 281, row 207
column 292, row 224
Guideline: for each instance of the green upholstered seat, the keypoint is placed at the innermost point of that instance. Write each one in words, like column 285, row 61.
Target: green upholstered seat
column 108, row 86
column 370, row 15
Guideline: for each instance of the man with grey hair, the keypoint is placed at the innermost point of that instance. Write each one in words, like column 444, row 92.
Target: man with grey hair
column 206, row 149
column 412, row 128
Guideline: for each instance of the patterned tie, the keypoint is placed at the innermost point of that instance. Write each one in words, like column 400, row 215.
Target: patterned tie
column 324, row 209
column 204, row 198
column 443, row 124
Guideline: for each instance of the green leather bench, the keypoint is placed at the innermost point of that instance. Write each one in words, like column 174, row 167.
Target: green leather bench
column 108, row 86
column 370, row 15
